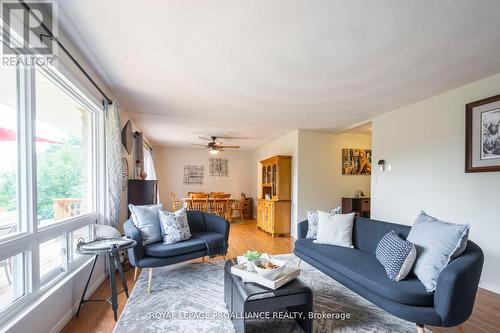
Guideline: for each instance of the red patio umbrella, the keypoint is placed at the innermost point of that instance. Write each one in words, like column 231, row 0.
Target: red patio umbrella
column 10, row 135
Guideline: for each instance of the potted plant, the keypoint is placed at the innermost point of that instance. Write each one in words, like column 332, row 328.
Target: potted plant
column 251, row 256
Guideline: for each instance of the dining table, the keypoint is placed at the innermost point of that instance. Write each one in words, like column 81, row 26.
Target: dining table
column 210, row 203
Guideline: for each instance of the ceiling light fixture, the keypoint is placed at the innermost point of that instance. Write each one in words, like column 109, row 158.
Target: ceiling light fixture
column 213, row 151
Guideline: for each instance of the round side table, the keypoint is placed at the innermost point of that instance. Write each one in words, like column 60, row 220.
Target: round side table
column 111, row 248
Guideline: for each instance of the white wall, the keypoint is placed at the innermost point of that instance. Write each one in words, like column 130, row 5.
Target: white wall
column 424, row 143
column 321, row 183
column 124, row 117
column 288, row 145
column 170, row 162
column 317, row 180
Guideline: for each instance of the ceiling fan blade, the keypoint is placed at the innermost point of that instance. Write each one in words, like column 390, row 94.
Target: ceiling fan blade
column 234, row 137
column 204, row 137
column 229, row 146
column 197, row 144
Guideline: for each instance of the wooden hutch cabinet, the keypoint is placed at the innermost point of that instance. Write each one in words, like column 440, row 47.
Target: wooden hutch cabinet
column 274, row 203
column 142, row 192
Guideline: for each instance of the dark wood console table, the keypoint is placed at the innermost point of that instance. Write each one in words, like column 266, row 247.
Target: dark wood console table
column 360, row 206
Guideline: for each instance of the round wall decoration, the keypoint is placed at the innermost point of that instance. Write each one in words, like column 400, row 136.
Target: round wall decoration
column 124, row 173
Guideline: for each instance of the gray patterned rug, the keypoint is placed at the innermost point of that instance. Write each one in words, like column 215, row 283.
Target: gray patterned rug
column 189, row 297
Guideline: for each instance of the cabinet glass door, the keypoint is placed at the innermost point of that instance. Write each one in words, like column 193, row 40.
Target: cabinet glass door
column 274, row 180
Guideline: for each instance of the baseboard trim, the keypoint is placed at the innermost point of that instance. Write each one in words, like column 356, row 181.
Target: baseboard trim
column 491, row 287
column 72, row 311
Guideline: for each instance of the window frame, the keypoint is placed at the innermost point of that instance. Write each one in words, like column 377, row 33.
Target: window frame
column 27, row 241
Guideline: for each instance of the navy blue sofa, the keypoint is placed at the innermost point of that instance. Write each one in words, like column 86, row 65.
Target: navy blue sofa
column 359, row 270
column 159, row 254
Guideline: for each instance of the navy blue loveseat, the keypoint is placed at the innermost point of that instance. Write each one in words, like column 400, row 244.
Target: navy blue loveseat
column 201, row 225
column 359, row 270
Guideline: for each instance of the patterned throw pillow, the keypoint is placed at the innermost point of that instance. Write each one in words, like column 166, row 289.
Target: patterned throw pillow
column 396, row 255
column 313, row 219
column 175, row 226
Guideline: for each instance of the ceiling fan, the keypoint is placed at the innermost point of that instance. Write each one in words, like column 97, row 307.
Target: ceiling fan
column 214, row 146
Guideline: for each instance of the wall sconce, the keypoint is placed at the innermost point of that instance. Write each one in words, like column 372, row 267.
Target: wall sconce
column 381, row 165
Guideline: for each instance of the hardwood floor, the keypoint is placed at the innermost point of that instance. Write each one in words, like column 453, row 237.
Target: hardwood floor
column 98, row 316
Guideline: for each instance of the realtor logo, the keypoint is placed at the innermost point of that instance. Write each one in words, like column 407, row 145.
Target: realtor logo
column 25, row 27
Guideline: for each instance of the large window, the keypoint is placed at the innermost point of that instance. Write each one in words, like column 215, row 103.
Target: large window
column 48, row 185
column 63, row 156
column 9, row 218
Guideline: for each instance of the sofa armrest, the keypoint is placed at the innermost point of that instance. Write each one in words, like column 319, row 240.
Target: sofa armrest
column 136, row 253
column 215, row 223
column 302, row 229
column 457, row 286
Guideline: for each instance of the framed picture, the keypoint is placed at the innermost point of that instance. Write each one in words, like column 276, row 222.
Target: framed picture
column 218, row 167
column 356, row 161
column 482, row 135
column 193, row 174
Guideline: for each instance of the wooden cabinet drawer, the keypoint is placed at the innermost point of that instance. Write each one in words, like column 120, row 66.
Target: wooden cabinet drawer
column 265, row 203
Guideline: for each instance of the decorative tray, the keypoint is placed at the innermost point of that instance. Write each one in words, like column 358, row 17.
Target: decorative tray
column 289, row 273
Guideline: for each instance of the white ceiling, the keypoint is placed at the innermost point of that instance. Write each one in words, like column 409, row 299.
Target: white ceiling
column 263, row 67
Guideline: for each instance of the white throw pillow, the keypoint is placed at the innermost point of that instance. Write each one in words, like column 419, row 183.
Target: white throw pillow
column 335, row 229
column 312, row 218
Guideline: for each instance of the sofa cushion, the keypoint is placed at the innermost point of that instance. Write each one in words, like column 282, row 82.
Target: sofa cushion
column 335, row 229
column 396, row 255
column 313, row 219
column 147, row 220
column 174, row 225
column 365, row 269
column 437, row 243
column 161, row 250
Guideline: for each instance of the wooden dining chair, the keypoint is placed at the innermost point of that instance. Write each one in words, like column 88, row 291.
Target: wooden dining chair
column 189, row 193
column 220, row 204
column 176, row 204
column 198, row 201
column 239, row 206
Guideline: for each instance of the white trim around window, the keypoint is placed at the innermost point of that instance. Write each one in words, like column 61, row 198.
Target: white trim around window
column 27, row 241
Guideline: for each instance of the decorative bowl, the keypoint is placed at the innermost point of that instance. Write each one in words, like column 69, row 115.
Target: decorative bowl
column 269, row 273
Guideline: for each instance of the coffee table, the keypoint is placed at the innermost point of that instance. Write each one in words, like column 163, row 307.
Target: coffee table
column 245, row 298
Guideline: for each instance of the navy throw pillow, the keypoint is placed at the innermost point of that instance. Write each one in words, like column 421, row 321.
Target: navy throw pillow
column 396, row 255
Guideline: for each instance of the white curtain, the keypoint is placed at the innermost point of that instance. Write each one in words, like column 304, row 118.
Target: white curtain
column 113, row 164
column 149, row 166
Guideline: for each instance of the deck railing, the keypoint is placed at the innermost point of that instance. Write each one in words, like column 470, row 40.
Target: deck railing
column 64, row 208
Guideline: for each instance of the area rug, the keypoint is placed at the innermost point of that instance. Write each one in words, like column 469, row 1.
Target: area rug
column 189, row 297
